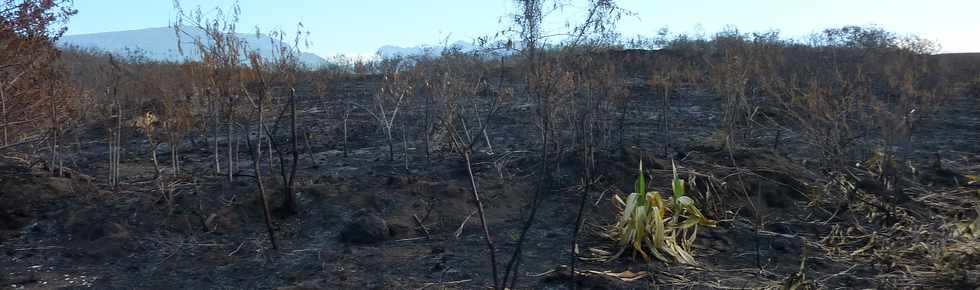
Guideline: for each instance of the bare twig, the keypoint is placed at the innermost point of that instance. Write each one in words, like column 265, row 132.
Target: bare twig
column 422, row 226
column 459, row 231
column 427, row 285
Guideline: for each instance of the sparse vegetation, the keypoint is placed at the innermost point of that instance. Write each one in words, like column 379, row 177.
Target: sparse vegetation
column 843, row 160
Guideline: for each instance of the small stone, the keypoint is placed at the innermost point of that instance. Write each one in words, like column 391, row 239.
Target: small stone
column 365, row 228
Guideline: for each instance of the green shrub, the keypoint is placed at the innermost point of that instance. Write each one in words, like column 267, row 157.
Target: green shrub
column 650, row 224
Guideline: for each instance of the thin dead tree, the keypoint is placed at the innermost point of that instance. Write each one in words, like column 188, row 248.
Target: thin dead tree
column 464, row 142
column 542, row 83
column 285, row 66
column 388, row 102
column 114, row 137
column 54, row 90
column 260, row 94
column 178, row 120
column 220, row 50
column 347, row 111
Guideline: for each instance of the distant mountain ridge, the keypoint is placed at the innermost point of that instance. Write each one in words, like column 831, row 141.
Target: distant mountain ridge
column 392, row 51
column 161, row 44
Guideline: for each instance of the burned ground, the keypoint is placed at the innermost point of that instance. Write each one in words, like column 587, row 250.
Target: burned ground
column 359, row 224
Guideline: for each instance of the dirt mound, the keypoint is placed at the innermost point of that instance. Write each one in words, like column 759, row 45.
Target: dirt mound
column 24, row 191
column 755, row 171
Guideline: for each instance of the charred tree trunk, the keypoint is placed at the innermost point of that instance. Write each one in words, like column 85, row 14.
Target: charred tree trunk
column 230, row 136
column 391, row 144
column 256, row 158
column 346, row 118
column 289, row 203
column 118, row 139
column 3, row 111
column 666, row 115
column 405, row 146
column 174, row 154
column 213, row 120
column 54, row 136
column 483, row 218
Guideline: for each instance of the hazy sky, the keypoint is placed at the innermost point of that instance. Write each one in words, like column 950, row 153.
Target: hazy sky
column 360, row 27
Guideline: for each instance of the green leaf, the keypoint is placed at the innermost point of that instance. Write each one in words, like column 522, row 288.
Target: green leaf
column 678, row 183
column 652, row 225
column 641, row 185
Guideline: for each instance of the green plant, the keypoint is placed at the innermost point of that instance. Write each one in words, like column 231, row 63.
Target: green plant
column 650, row 224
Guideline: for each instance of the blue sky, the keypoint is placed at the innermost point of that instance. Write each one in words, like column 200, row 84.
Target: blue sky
column 360, row 27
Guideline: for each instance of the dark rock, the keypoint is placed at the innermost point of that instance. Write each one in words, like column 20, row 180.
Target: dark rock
column 785, row 245
column 942, row 177
column 365, row 228
column 632, row 156
column 781, row 228
column 438, row 267
column 398, row 229
column 14, row 219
